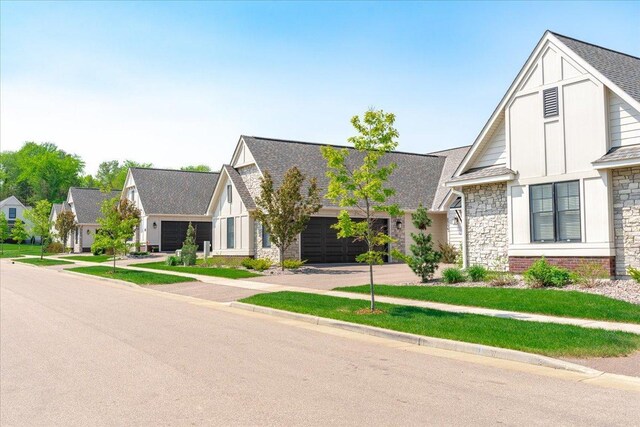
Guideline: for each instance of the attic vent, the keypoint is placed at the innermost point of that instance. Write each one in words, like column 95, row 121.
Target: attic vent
column 550, row 100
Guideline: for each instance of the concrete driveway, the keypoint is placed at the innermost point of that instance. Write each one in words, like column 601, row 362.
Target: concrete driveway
column 328, row 276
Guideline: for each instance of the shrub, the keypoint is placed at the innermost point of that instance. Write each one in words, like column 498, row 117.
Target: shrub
column 502, row 279
column 589, row 273
column 172, row 261
column 477, row 273
column 97, row 250
column 449, row 253
column 293, row 264
column 452, row 275
column 259, row 264
column 634, row 273
column 543, row 274
column 189, row 247
column 54, row 248
column 422, row 259
column 247, row 263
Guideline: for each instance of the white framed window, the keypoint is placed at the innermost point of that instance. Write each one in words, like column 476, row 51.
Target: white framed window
column 555, row 212
column 229, row 193
column 231, row 235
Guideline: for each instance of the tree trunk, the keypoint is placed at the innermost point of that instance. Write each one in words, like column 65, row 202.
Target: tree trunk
column 114, row 261
column 41, row 248
column 282, row 258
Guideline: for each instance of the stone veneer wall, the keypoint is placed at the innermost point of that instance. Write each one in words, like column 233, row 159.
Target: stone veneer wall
column 486, row 216
column 626, row 217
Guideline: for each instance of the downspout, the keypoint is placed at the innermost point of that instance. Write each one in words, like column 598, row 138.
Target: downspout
column 465, row 262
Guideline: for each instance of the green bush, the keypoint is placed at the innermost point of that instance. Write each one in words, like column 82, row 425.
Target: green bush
column 449, row 253
column 293, row 264
column 172, row 261
column 189, row 247
column 97, row 250
column 452, row 275
column 477, row 273
column 543, row 274
column 259, row 264
column 247, row 263
column 54, row 248
column 634, row 273
column 502, row 279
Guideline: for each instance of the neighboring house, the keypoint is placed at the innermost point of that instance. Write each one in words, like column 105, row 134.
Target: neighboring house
column 85, row 204
column 56, row 209
column 416, row 180
column 555, row 172
column 14, row 209
column 168, row 200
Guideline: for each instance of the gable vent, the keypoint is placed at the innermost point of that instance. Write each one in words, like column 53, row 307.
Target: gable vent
column 550, row 100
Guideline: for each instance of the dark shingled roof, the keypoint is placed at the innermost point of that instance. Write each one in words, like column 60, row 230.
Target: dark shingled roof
column 630, row 152
column 622, row 69
column 415, row 178
column 240, row 186
column 453, row 158
column 87, row 202
column 174, row 192
column 482, row 173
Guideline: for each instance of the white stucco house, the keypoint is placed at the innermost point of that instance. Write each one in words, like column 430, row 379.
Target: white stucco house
column 14, row 209
column 555, row 171
column 418, row 179
column 168, row 200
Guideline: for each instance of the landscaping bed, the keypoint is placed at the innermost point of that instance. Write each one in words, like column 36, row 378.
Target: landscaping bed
column 543, row 338
column 542, row 301
column 226, row 272
column 133, row 276
column 44, row 262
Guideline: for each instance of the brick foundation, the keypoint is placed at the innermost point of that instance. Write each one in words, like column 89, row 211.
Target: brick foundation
column 520, row 264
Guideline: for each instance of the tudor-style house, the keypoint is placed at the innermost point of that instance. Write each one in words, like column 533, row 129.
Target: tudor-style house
column 555, row 171
column 418, row 179
column 168, row 201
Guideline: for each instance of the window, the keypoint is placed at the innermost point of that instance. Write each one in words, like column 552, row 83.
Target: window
column 12, row 213
column 555, row 212
column 132, row 195
column 231, row 233
column 266, row 238
column 229, row 194
column 550, row 102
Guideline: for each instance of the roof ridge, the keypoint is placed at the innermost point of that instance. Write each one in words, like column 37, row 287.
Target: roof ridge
column 595, row 45
column 328, row 145
column 90, row 188
column 451, row 149
column 173, row 170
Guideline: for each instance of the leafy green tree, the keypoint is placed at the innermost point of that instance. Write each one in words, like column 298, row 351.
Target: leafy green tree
column 39, row 216
column 286, row 211
column 65, row 225
column 89, row 181
column 111, row 174
column 358, row 183
column 117, row 226
column 19, row 232
column 196, row 168
column 423, row 259
column 189, row 247
column 4, row 231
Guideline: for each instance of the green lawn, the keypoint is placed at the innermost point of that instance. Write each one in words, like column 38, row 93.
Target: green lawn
column 133, row 276
column 90, row 258
column 10, row 250
column 44, row 262
column 543, row 301
column 229, row 273
column 542, row 338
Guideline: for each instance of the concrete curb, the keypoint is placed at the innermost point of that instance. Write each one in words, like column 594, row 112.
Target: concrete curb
column 444, row 344
column 104, row 279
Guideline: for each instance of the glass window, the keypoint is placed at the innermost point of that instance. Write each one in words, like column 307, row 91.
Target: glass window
column 229, row 193
column 231, row 233
column 12, row 213
column 266, row 238
column 555, row 212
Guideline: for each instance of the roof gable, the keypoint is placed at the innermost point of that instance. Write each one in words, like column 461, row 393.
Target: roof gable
column 11, row 200
column 87, row 203
column 174, row 192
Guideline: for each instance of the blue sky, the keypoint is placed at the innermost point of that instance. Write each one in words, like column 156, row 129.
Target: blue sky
column 177, row 83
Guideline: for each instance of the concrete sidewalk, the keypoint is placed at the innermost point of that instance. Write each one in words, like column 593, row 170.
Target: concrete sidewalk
column 531, row 317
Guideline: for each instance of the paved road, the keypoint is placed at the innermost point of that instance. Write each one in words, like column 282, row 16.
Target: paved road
column 76, row 351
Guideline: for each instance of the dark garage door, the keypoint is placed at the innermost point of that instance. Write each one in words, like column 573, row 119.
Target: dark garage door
column 173, row 234
column 320, row 243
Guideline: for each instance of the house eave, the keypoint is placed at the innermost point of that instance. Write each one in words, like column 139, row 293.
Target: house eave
column 483, row 180
column 616, row 164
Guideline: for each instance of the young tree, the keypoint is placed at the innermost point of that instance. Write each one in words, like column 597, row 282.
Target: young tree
column 4, row 231
column 285, row 212
column 362, row 188
column 423, row 259
column 65, row 224
column 117, row 226
column 189, row 247
column 41, row 224
column 19, row 232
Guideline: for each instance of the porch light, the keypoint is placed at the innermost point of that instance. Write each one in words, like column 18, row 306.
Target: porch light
column 155, row 225
column 399, row 224
column 88, row 231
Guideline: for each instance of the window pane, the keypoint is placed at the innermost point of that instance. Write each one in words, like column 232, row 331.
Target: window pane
column 230, row 233
column 569, row 225
column 266, row 238
column 543, row 226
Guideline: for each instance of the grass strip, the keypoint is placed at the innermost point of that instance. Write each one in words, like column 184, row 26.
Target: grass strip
column 229, row 273
column 543, row 338
column 44, row 262
column 576, row 304
column 89, row 258
column 133, row 276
